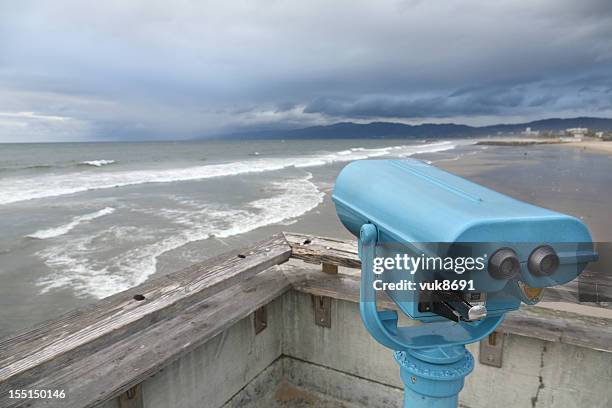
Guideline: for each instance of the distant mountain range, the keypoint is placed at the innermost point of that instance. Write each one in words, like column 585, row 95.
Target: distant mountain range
column 350, row 130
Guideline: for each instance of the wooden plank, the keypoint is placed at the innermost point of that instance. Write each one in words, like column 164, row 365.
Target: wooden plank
column 530, row 321
column 596, row 286
column 82, row 332
column 95, row 378
column 313, row 249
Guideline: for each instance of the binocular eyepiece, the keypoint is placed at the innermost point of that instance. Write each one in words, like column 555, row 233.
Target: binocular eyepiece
column 543, row 261
column 505, row 263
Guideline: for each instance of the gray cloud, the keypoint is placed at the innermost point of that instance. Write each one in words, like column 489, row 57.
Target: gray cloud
column 154, row 69
column 543, row 97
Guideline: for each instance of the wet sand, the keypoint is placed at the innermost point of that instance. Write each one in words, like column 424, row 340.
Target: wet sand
column 568, row 179
column 595, row 146
column 517, row 142
column 572, row 178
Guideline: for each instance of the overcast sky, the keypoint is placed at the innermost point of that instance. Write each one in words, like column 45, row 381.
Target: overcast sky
column 127, row 70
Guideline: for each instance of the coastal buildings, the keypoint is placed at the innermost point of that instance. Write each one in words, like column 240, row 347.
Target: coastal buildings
column 577, row 132
column 574, row 134
column 529, row 132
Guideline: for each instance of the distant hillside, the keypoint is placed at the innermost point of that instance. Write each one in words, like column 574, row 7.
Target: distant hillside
column 349, row 130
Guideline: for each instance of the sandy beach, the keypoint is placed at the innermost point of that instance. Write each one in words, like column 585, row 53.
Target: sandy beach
column 592, row 146
column 513, row 142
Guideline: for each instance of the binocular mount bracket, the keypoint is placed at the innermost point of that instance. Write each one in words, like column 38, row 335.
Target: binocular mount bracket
column 432, row 357
column 383, row 324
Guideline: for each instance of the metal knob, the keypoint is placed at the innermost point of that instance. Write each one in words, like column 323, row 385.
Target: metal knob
column 504, row 264
column 543, row 261
column 477, row 312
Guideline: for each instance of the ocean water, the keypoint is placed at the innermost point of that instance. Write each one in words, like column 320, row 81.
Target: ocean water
column 79, row 222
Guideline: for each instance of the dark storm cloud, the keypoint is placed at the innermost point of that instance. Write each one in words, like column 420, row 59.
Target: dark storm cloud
column 71, row 70
column 471, row 101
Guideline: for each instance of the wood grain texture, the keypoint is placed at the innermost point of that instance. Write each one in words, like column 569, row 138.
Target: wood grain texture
column 317, row 250
column 108, row 372
column 596, row 286
column 107, row 322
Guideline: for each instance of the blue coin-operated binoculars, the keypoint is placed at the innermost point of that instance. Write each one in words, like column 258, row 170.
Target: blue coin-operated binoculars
column 453, row 255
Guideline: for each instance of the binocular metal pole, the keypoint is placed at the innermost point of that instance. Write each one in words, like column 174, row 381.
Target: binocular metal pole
column 434, row 376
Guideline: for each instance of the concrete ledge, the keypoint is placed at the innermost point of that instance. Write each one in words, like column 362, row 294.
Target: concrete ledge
column 534, row 372
column 296, row 363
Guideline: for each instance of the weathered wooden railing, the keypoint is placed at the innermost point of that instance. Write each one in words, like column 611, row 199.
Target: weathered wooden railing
column 104, row 350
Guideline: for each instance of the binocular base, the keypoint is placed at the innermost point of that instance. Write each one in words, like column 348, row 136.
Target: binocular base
column 434, row 376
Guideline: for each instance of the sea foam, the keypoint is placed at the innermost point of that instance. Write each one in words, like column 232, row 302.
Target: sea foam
column 97, row 163
column 65, row 228
column 75, row 264
column 15, row 189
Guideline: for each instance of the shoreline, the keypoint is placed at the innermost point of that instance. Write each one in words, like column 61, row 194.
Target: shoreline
column 593, row 146
column 546, row 176
column 517, row 142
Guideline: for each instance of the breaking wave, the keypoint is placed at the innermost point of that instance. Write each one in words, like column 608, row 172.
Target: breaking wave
column 97, row 163
column 77, row 264
column 27, row 188
column 66, row 228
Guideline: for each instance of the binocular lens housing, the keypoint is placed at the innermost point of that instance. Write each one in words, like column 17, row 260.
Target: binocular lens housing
column 543, row 261
column 504, row 264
